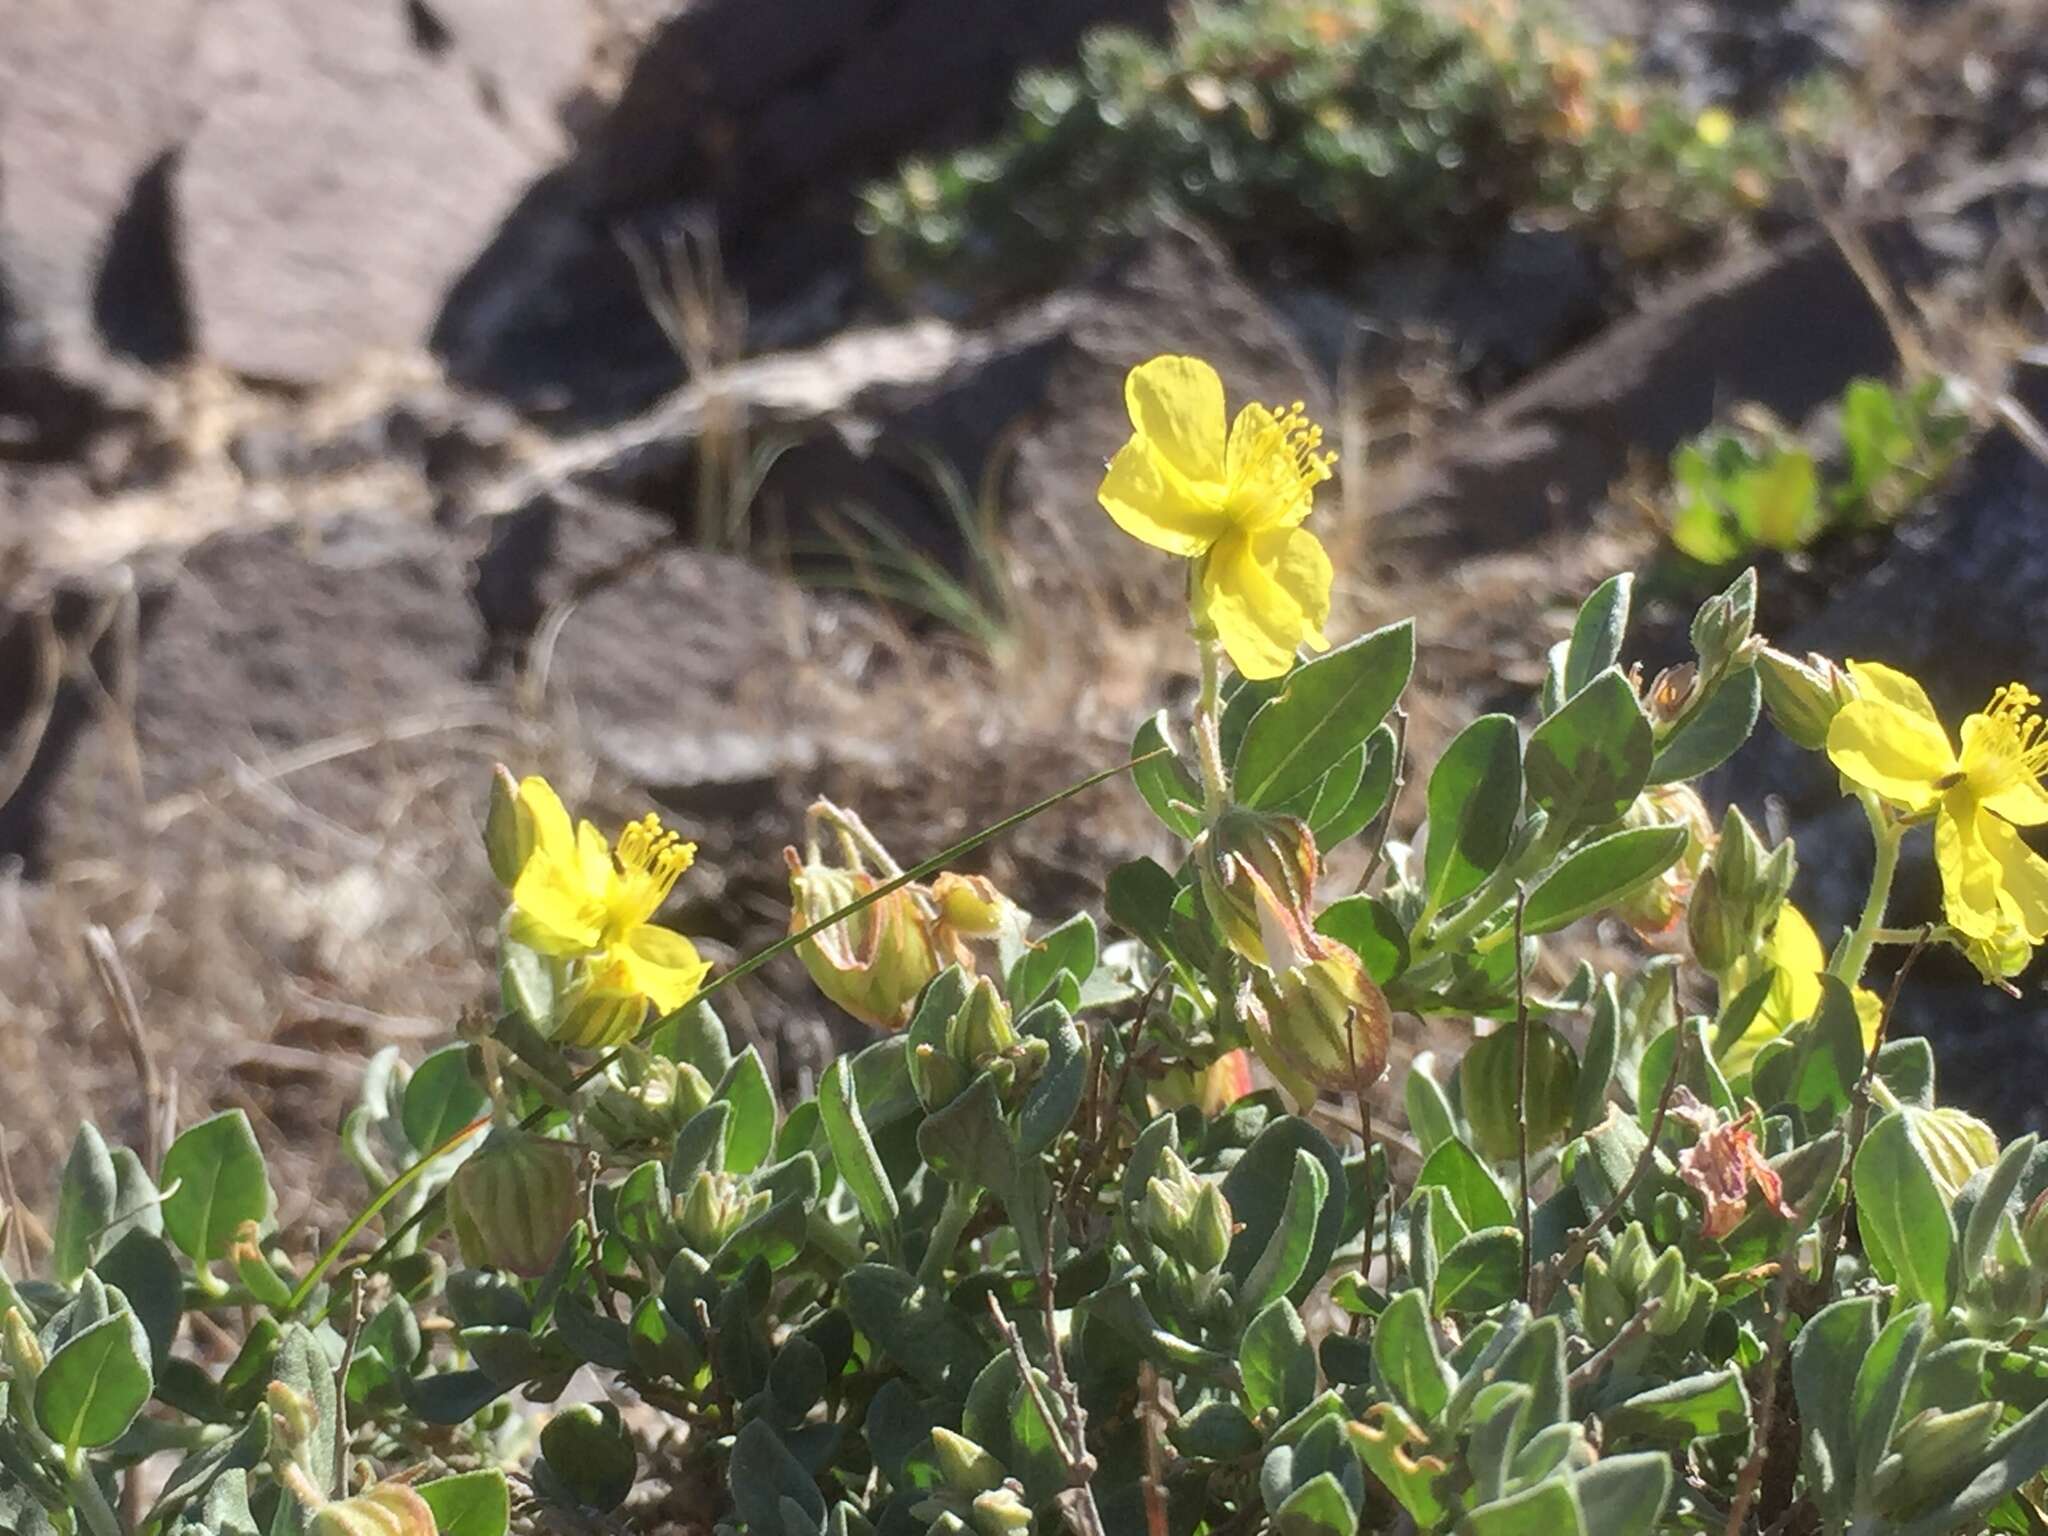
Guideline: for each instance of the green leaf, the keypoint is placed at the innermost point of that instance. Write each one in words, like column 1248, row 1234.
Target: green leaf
column 1165, row 783
column 1404, row 1349
column 752, row 1132
column 1587, row 762
column 1880, row 1390
column 1704, row 1406
column 1429, row 1112
column 1480, row 1272
column 1548, row 1509
column 1069, row 950
column 1624, row 1495
column 1475, row 796
column 1829, row 1058
column 95, row 1384
column 1456, row 1169
column 1596, row 634
column 1596, row 1065
column 1326, row 708
column 1285, row 1257
column 762, row 1473
column 301, row 1364
column 441, row 1097
column 1049, row 1106
column 526, row 982
column 220, row 1182
column 1980, row 1232
column 853, row 1150
column 86, row 1204
column 143, row 1269
column 1905, row 1223
column 1600, row 874
column 1825, row 1358
column 1279, row 1366
column 591, row 1457
column 1711, row 736
column 1257, row 1188
column 1139, row 900
column 1319, row 1507
column 1367, row 927
column 916, row 1328
column 1367, row 800
column 470, row 1503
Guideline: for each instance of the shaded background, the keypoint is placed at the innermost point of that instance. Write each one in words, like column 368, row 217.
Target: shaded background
column 391, row 387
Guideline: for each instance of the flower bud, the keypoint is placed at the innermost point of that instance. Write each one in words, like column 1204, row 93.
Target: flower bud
column 717, row 1206
column 258, row 1276
column 512, row 1203
column 936, row 1076
column 965, row 1467
column 1186, row 1215
column 1653, row 908
column 508, row 828
column 1258, row 877
column 981, row 1030
column 646, row 1098
column 389, row 1509
column 1738, row 895
column 1670, row 692
column 1803, row 696
column 1323, row 1027
column 23, row 1354
column 874, row 963
column 292, row 1418
column 605, row 1010
column 1723, row 624
column 1956, row 1146
column 1001, row 1512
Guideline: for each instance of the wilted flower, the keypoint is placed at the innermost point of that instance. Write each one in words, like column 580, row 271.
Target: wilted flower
column 513, row 1203
column 1231, row 500
column 1653, row 908
column 1723, row 1164
column 1258, row 876
column 578, row 898
column 968, row 907
column 1323, row 1027
column 1890, row 742
column 874, row 963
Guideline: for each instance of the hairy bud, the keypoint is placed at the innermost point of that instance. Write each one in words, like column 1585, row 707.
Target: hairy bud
column 513, row 1203
column 646, row 1098
column 508, row 828
column 717, row 1206
column 389, row 1509
column 1803, row 696
column 1186, row 1215
column 1738, row 894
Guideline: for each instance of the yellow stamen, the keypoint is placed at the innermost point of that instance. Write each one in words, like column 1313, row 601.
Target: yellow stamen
column 1302, row 441
column 651, row 855
column 2014, row 743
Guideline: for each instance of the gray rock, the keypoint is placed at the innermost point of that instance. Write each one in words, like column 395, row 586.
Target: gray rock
column 341, row 176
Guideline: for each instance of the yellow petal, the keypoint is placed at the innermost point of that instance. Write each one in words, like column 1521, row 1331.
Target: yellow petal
column 1176, row 403
column 593, row 860
column 552, row 834
column 550, row 912
column 1154, row 503
column 1796, row 953
column 2023, row 875
column 2018, row 797
column 661, row 965
column 1892, row 751
column 1265, row 594
column 1869, row 1014
column 1888, row 685
column 1267, row 488
column 1970, row 875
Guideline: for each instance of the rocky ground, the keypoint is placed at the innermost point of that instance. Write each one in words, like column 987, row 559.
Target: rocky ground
column 346, row 448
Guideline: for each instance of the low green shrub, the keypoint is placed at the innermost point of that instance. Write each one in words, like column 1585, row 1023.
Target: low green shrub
column 1042, row 1255
column 1328, row 131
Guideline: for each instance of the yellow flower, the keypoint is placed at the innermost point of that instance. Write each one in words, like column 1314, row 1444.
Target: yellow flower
column 578, row 898
column 1797, row 963
column 1890, row 742
column 1715, row 127
column 1232, row 502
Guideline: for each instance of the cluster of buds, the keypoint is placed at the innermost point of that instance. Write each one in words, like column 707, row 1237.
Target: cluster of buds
column 875, row 962
column 512, row 1203
column 1615, row 1288
column 1803, row 696
column 1186, row 1215
column 1655, row 908
column 646, row 1098
column 1737, row 896
column 978, row 1038
column 975, row 1493
column 716, row 1206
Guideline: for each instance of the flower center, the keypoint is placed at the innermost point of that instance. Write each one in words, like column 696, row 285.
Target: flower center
column 2012, row 744
column 1284, row 461
column 650, row 859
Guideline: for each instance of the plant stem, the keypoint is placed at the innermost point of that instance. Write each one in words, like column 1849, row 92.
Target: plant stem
column 962, row 1201
column 99, row 1515
column 1886, row 835
column 1209, row 729
column 1522, row 1090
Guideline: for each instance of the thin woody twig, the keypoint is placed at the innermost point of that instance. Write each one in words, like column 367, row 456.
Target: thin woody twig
column 1594, row 1366
column 1079, row 1504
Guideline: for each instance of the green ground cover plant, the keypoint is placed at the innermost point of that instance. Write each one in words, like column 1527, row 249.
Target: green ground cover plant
column 1098, row 1232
